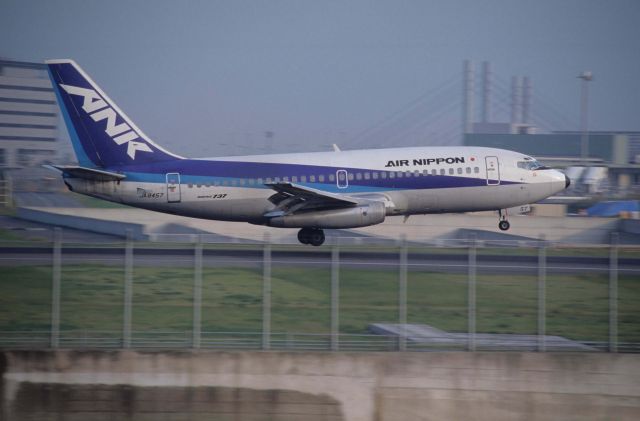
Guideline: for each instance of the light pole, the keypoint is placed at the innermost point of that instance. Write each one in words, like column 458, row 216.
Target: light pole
column 586, row 77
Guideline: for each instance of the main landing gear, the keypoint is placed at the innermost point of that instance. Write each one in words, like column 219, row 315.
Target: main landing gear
column 503, row 224
column 312, row 236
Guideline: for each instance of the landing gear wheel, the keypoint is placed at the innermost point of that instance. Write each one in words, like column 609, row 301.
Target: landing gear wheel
column 316, row 238
column 503, row 224
column 303, row 236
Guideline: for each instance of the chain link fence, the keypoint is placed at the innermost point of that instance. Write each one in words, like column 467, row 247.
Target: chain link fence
column 458, row 295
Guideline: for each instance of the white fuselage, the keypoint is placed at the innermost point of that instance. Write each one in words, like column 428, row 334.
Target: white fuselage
column 409, row 181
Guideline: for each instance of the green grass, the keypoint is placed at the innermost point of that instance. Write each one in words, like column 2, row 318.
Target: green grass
column 92, row 300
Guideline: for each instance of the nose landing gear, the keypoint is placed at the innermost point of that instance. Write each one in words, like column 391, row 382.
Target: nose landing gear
column 312, row 236
column 503, row 224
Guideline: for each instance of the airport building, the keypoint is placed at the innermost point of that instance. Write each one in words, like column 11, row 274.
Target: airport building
column 28, row 115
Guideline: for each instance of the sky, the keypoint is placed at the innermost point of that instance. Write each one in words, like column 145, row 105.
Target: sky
column 210, row 78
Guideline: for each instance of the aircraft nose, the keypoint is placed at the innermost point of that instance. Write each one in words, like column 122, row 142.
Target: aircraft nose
column 567, row 182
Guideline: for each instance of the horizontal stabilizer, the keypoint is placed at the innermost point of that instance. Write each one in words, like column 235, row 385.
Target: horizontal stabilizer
column 86, row 173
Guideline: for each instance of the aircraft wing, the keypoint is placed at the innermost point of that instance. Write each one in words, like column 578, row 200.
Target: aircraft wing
column 86, row 173
column 291, row 198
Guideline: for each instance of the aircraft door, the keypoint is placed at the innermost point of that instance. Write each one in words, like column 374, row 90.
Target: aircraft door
column 173, row 187
column 493, row 170
column 341, row 179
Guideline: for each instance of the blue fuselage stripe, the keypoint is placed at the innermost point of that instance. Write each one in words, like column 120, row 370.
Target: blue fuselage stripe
column 238, row 174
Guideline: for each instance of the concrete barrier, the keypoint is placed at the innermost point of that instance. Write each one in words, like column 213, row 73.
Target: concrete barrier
column 319, row 386
column 77, row 221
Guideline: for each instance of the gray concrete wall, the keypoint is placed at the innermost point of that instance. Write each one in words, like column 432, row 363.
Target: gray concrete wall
column 319, row 386
column 76, row 221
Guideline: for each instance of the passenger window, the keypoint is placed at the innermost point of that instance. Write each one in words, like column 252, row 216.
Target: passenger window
column 443, row 171
column 260, row 181
column 459, row 170
column 242, row 181
column 268, row 180
column 350, row 176
column 434, row 172
column 225, row 183
column 392, row 174
column 375, row 175
column 359, row 176
column 252, row 181
column 190, row 186
column 476, row 170
column 367, row 176
column 399, row 174
column 294, row 179
column 416, row 173
column 383, row 175
column 321, row 178
column 285, row 179
column 303, row 178
column 234, row 182
column 332, row 177
column 451, row 171
column 425, row 172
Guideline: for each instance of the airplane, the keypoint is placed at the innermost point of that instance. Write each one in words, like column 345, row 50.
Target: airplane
column 310, row 191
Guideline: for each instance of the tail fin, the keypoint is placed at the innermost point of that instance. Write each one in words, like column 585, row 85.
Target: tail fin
column 102, row 135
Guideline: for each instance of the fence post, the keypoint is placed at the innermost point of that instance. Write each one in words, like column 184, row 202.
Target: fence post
column 335, row 297
column 613, row 293
column 402, row 296
column 471, row 295
column 197, row 292
column 542, row 293
column 128, row 290
column 266, row 293
column 55, row 288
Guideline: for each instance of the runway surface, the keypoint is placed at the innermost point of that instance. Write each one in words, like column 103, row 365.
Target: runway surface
column 253, row 257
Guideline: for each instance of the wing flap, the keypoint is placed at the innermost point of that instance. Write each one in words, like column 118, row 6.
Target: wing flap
column 290, row 198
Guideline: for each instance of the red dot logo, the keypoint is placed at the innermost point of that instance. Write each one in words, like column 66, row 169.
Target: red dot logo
column 473, row 159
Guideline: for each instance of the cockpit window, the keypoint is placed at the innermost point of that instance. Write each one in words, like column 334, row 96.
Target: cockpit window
column 531, row 164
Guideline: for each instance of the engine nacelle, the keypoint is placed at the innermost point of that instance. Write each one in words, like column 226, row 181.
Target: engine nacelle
column 358, row 216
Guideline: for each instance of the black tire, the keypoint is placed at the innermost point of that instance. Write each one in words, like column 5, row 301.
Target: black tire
column 303, row 236
column 316, row 238
column 504, row 225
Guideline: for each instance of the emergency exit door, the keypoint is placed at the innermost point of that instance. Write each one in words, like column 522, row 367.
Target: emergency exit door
column 173, row 187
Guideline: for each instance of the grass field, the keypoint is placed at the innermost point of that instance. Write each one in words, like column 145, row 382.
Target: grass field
column 92, row 297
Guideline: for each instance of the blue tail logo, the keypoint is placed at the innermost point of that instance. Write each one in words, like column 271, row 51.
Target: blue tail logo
column 98, row 109
column 102, row 135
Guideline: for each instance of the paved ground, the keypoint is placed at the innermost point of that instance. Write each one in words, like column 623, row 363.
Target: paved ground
column 300, row 256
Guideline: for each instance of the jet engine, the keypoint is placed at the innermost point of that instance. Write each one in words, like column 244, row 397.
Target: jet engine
column 358, row 216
